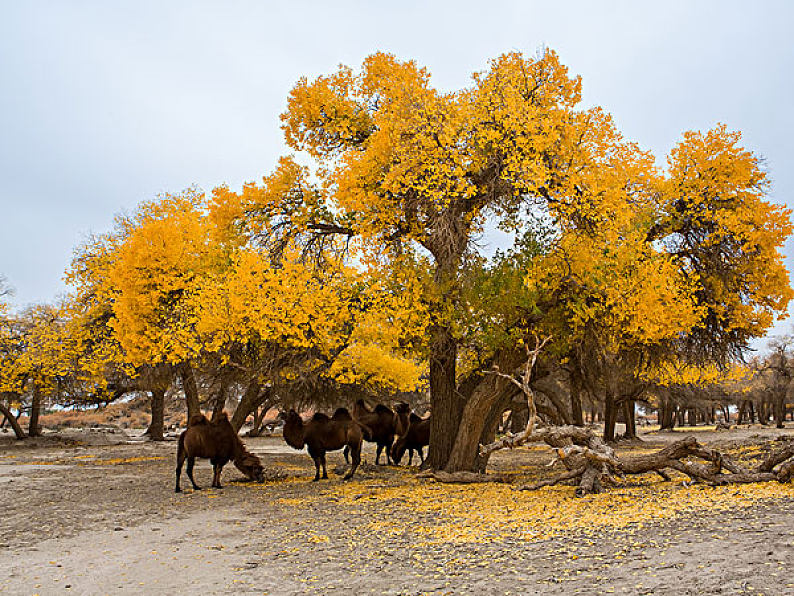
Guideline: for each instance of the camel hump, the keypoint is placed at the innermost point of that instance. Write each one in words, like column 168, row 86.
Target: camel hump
column 197, row 419
column 341, row 414
column 222, row 415
column 320, row 417
column 402, row 408
column 381, row 409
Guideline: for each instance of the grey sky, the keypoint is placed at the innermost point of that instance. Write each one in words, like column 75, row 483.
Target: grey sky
column 105, row 104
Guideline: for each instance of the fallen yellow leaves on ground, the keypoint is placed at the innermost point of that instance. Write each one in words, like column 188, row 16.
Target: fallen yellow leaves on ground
column 484, row 512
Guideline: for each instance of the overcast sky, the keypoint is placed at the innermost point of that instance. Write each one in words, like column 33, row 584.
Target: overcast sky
column 105, row 104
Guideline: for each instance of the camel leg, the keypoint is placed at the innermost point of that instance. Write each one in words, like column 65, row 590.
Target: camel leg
column 180, row 459
column 316, row 459
column 421, row 455
column 389, row 460
column 410, row 455
column 377, row 454
column 325, row 473
column 216, row 475
column 356, row 457
column 190, row 462
column 346, row 452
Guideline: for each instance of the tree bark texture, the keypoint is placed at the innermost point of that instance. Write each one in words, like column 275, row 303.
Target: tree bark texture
column 12, row 420
column 34, row 430
column 576, row 398
column 253, row 397
column 155, row 430
column 190, row 388
column 445, row 403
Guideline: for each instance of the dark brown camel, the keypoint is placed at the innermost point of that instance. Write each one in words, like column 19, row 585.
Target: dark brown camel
column 321, row 434
column 218, row 442
column 380, row 426
column 415, row 437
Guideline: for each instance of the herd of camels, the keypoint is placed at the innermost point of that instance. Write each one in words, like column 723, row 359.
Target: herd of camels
column 217, row 440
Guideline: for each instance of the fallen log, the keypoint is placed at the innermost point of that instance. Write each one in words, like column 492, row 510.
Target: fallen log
column 591, row 463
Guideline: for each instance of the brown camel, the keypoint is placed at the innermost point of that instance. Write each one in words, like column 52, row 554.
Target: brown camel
column 321, row 434
column 380, row 426
column 414, row 438
column 218, row 442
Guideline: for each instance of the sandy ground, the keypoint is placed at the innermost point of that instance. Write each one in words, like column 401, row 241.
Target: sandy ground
column 103, row 519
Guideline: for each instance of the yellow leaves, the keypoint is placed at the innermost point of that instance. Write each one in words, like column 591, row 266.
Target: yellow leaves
column 716, row 215
column 482, row 512
column 166, row 256
column 677, row 372
column 289, row 303
column 324, row 116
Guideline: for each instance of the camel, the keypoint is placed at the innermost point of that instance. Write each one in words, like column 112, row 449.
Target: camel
column 217, row 441
column 321, row 433
column 380, row 426
column 414, row 438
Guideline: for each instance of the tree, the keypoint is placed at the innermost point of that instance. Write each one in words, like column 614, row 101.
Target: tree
column 411, row 169
column 412, row 175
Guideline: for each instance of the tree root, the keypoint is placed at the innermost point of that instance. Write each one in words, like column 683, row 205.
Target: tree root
column 593, row 464
column 462, row 477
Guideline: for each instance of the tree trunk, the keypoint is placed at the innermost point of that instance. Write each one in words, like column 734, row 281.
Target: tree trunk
column 155, row 430
column 519, row 415
column 780, row 411
column 190, row 388
column 253, row 397
column 628, row 414
column 489, row 429
column 464, row 448
column 576, row 399
column 12, row 420
column 34, row 430
column 666, row 418
column 447, row 407
column 610, row 417
column 220, row 399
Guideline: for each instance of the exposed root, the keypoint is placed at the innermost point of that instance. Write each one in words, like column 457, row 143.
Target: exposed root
column 594, row 464
column 463, row 477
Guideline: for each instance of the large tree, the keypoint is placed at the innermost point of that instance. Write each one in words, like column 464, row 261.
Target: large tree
column 413, row 174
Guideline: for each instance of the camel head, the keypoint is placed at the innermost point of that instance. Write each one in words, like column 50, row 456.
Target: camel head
column 293, row 429
column 250, row 465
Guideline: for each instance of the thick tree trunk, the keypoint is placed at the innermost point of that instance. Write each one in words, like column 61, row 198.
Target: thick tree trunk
column 666, row 415
column 190, row 388
column 464, row 454
column 519, row 415
column 610, row 417
column 780, row 411
column 576, row 399
column 489, row 430
column 34, row 430
column 628, row 414
column 155, row 430
column 12, row 420
column 446, row 405
column 253, row 397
